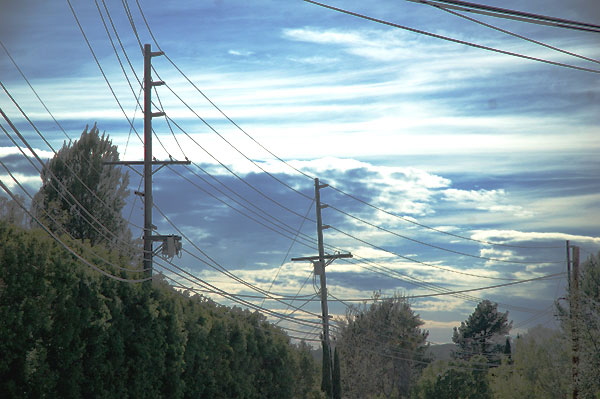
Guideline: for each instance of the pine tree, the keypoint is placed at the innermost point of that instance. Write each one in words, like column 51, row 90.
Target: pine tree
column 481, row 332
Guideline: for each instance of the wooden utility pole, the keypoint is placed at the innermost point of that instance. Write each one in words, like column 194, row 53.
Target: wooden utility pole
column 319, row 263
column 171, row 243
column 573, row 267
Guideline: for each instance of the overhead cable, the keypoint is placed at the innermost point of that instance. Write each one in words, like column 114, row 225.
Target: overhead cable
column 34, row 92
column 514, row 34
column 435, row 35
column 300, row 171
column 102, row 70
column 512, row 14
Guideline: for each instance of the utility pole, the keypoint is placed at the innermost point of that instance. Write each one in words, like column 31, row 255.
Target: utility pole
column 170, row 244
column 573, row 267
column 319, row 262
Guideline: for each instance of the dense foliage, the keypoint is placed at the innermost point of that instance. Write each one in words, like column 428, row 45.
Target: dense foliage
column 539, row 369
column 456, row 379
column 69, row 332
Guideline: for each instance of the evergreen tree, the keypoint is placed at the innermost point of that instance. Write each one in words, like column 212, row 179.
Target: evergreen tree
column 482, row 333
column 507, row 349
column 76, row 185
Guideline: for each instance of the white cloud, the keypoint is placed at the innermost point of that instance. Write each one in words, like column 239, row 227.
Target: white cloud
column 478, row 196
column 240, row 53
column 485, row 200
column 508, row 236
column 43, row 154
column 23, row 179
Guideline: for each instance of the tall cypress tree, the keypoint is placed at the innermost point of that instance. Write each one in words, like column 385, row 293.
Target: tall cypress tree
column 326, row 385
column 337, row 383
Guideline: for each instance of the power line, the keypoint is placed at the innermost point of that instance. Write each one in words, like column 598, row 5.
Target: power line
column 201, row 292
column 219, row 110
column 395, row 274
column 290, row 248
column 117, row 53
column 268, row 218
column 234, row 147
column 512, row 14
column 479, row 46
column 513, row 34
column 230, row 170
column 196, row 280
column 33, row 90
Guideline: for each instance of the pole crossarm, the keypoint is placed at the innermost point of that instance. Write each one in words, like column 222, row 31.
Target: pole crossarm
column 164, row 163
column 316, row 258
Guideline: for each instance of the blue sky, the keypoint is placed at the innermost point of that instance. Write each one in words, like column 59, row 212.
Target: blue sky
column 478, row 144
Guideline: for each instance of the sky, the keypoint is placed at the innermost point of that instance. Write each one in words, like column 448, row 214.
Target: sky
column 434, row 152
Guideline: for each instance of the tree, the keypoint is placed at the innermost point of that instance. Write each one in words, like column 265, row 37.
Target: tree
column 380, row 348
column 539, row 369
column 76, row 185
column 482, row 333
